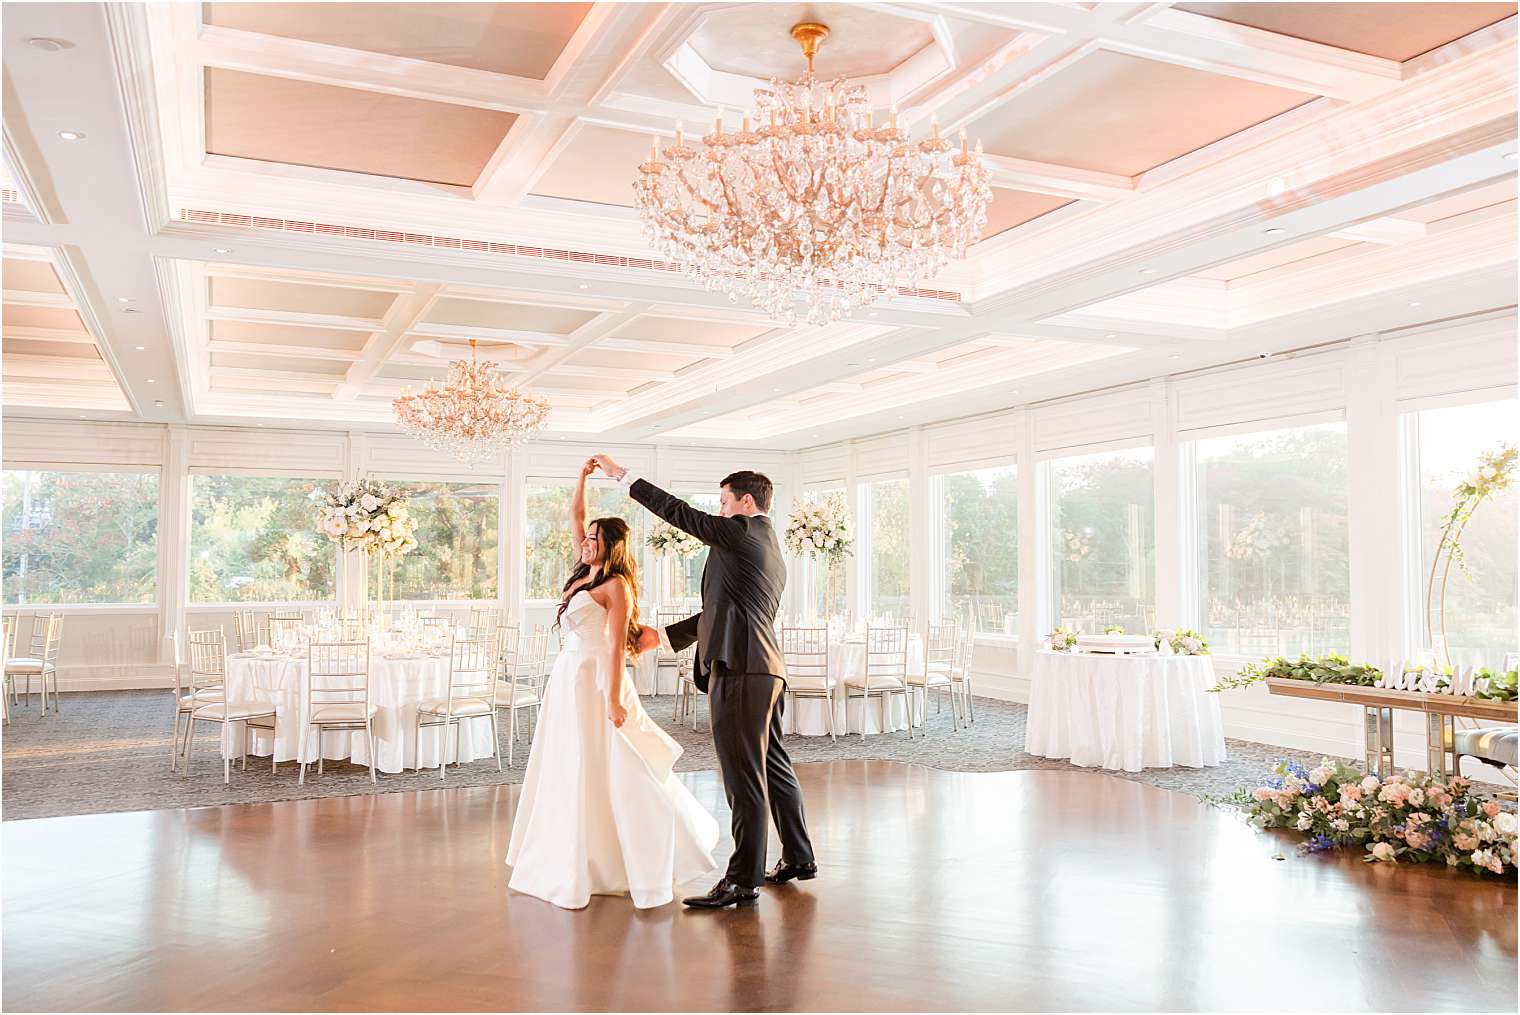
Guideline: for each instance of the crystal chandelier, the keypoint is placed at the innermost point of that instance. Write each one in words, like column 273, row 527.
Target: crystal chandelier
column 817, row 205
column 474, row 415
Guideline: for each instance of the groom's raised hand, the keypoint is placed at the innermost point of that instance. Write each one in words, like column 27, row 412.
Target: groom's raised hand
column 609, row 468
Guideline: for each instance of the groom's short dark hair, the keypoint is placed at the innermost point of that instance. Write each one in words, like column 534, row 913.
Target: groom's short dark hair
column 756, row 484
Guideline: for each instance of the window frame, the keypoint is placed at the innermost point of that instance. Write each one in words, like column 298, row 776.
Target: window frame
column 321, row 476
column 935, row 530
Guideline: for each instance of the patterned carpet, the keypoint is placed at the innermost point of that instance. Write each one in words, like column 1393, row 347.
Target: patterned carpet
column 109, row 751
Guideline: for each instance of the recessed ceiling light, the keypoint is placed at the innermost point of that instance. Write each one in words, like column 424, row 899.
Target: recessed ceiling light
column 1174, row 356
column 222, row 250
column 84, row 417
column 775, row 389
column 71, row 135
column 158, row 402
column 1147, row 271
column 1110, row 336
column 873, row 314
column 1274, row 231
column 258, row 424
column 585, row 286
column 871, row 359
column 1415, row 303
column 1276, row 186
column 1512, row 156
column 130, row 310
column 48, row 45
column 152, row 381
column 139, row 348
column 123, row 299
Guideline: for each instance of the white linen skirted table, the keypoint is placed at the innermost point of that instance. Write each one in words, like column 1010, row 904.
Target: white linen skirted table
column 847, row 658
column 397, row 685
column 1124, row 712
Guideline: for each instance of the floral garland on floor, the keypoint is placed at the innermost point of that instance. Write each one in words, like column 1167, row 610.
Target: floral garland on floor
column 664, row 538
column 1410, row 817
column 820, row 529
column 368, row 515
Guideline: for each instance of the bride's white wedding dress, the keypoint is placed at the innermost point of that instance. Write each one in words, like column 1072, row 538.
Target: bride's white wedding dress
column 600, row 811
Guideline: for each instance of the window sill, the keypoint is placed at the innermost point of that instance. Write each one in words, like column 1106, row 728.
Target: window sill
column 81, row 608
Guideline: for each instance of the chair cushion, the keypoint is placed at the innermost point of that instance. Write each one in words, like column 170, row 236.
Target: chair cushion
column 933, row 678
column 877, row 683
column 232, row 710
column 202, row 697
column 24, row 665
column 343, row 711
column 519, row 696
column 1499, row 744
column 807, row 683
column 462, row 706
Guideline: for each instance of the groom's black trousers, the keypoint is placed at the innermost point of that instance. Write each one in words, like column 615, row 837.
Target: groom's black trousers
column 746, row 725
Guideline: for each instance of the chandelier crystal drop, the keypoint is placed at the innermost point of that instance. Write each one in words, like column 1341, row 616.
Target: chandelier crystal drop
column 811, row 202
column 474, row 415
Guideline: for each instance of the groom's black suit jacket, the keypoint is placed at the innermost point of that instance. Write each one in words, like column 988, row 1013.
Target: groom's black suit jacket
column 741, row 588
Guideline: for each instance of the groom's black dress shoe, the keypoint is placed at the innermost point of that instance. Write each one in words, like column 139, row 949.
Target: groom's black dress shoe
column 784, row 872
column 724, row 893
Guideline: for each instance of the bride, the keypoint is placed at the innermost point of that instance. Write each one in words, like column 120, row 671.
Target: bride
column 600, row 811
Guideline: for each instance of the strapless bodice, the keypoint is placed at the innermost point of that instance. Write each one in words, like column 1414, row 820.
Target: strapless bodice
column 584, row 624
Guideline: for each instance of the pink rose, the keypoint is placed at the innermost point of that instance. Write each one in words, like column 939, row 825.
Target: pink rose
column 1351, row 791
column 1491, row 808
column 1495, row 864
column 1261, row 793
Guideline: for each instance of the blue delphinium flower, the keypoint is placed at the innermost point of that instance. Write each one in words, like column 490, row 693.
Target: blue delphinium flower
column 1318, row 844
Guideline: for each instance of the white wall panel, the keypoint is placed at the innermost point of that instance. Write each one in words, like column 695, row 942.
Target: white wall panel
column 288, row 452
column 1270, row 390
column 38, row 443
column 880, row 455
column 1098, row 419
column 971, row 441
column 1462, row 357
column 826, row 466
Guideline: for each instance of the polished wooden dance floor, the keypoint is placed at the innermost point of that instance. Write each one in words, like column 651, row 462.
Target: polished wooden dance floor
column 939, row 891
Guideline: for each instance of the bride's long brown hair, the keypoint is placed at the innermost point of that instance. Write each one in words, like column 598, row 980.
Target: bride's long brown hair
column 617, row 562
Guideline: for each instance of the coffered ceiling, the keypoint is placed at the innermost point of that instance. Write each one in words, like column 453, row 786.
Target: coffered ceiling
column 310, row 207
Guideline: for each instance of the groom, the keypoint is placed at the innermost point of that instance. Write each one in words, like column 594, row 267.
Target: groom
column 739, row 666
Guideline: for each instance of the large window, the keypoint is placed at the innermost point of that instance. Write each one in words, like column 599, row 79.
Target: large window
column 456, row 552
column 549, row 555
column 823, row 585
column 887, row 508
column 254, row 539
column 80, row 537
column 1103, row 541
column 976, row 546
column 688, row 572
column 1480, row 601
column 1273, row 570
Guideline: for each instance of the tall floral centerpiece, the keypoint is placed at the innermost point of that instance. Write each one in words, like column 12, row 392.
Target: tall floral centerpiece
column 1495, row 472
column 668, row 542
column 367, row 519
column 820, row 530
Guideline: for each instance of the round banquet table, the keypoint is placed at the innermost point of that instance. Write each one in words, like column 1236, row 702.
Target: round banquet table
column 1124, row 712
column 397, row 685
column 651, row 678
column 847, row 658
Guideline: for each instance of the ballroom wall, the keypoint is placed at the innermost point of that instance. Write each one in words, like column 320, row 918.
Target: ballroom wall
column 1368, row 382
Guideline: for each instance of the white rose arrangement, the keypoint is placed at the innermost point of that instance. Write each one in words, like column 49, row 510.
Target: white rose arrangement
column 820, row 529
column 368, row 515
column 1184, row 641
column 1062, row 639
column 664, row 538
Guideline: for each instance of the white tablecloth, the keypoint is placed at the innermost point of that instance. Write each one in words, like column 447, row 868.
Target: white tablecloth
column 396, row 686
column 1124, row 712
column 648, row 678
column 806, row 716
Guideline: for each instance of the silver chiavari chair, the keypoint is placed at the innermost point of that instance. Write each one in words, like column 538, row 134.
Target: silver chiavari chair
column 208, row 674
column 939, row 662
column 247, row 628
column 338, row 697
column 885, row 673
column 41, row 659
column 522, row 678
column 805, row 653
column 211, row 682
column 8, row 646
column 472, row 694
column 961, row 673
column 482, row 622
column 681, row 662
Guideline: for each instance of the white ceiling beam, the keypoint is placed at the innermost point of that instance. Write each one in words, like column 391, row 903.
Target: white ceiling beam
column 222, row 345
column 27, row 298
column 402, row 315
column 1385, row 231
column 485, row 335
column 1058, row 181
column 23, row 332
column 584, row 337
column 293, row 318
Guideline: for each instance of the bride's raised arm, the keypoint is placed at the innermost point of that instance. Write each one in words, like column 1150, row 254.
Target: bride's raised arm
column 578, row 505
